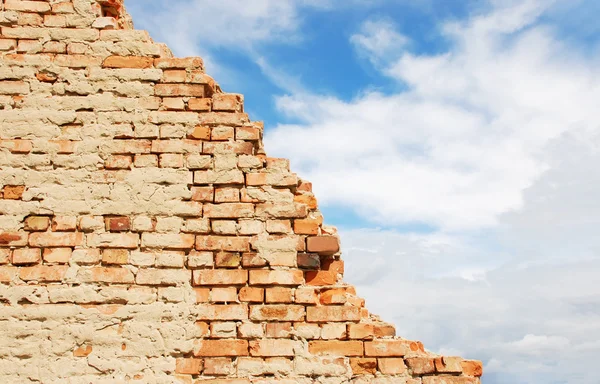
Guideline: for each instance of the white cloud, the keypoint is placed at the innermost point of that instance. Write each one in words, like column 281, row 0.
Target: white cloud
column 467, row 135
column 378, row 40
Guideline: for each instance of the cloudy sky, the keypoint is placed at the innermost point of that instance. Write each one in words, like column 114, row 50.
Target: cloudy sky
column 455, row 143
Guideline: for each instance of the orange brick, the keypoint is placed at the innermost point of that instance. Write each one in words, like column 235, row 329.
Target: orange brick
column 57, row 255
column 115, row 256
column 472, row 368
column 307, row 226
column 43, row 273
column 334, row 296
column 392, row 348
column 324, row 245
column 279, row 330
column 111, row 275
column 215, row 348
column 253, row 260
column 8, row 274
column 222, row 312
column 227, row 195
column 227, row 260
column 14, row 192
column 277, row 312
column 228, row 102
column 278, row 295
column 204, row 194
column 189, row 366
column 420, row 365
column 308, row 199
column 128, row 62
column 49, row 239
column 363, row 366
column 252, row 295
column 223, row 295
column 267, row 277
column 274, row 347
column 369, row 331
column 223, row 243
column 200, row 104
column 202, row 295
column 326, row 314
column 448, row 364
column 64, row 223
column 392, row 366
column 220, row 366
column 247, row 133
column 194, row 90
column 27, row 6
column 321, row 278
column 179, row 63
column 200, row 132
column 13, row 239
column 118, row 162
column 26, row 256
column 220, row 277
column 174, row 76
column 334, row 347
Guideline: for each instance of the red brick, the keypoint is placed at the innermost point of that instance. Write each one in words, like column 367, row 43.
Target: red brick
column 48, row 239
column 118, row 224
column 43, row 273
column 214, row 348
column 334, row 347
column 128, row 62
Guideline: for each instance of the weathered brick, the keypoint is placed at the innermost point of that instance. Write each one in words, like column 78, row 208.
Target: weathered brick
column 280, row 277
column 222, row 243
column 334, row 347
column 392, row 348
column 420, row 365
column 325, row 314
column 57, row 255
column 370, row 331
column 151, row 276
column 274, row 347
column 27, row 6
column 64, row 223
column 324, row 245
column 251, row 295
column 222, row 312
column 168, row 241
column 113, row 240
column 43, row 273
column 37, row 223
column 391, row 366
column 13, row 239
column 13, row 192
column 26, row 256
column 179, row 63
column 276, row 312
column 49, row 239
column 363, row 366
column 214, row 348
column 112, row 275
column 189, row 366
column 472, row 368
column 193, row 90
column 220, row 277
column 128, row 62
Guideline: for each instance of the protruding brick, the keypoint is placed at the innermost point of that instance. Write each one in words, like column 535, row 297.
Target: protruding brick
column 472, row 368
column 324, row 245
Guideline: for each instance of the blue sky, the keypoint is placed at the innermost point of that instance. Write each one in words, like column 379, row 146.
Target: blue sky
column 453, row 143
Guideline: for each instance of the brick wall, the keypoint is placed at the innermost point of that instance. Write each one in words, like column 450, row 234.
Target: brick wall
column 145, row 236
